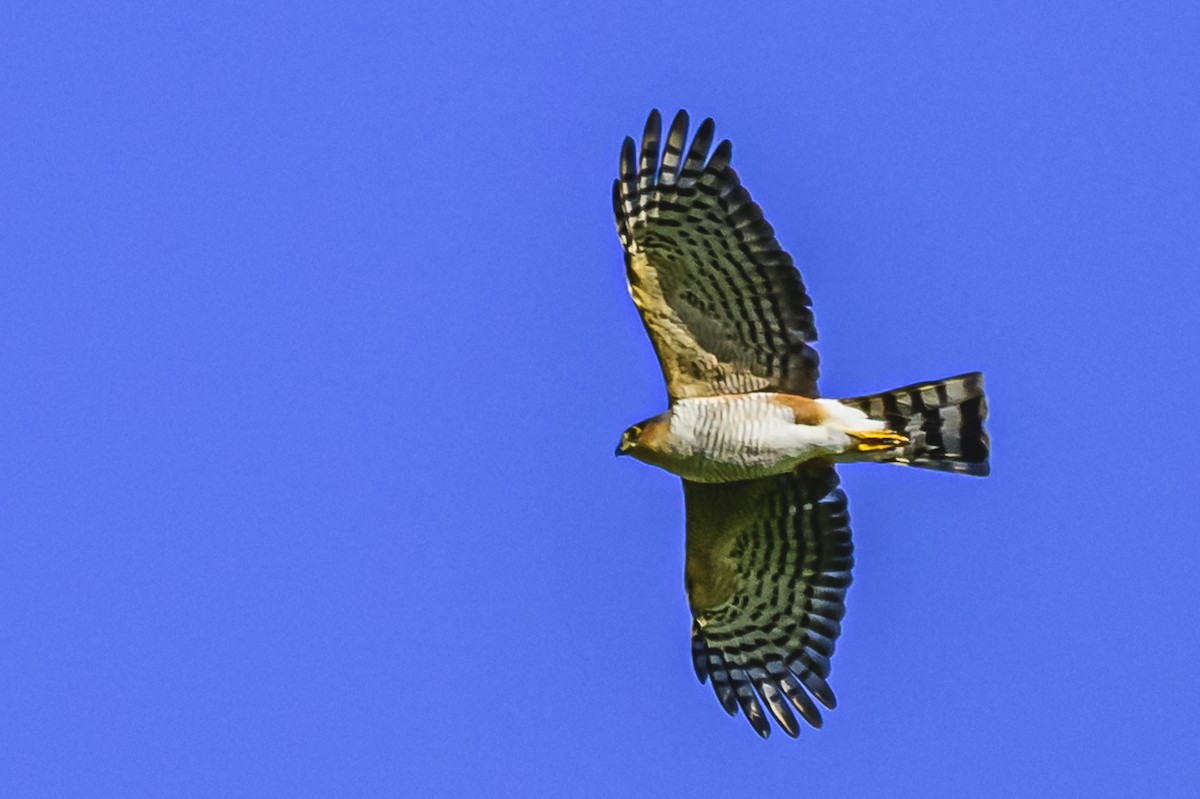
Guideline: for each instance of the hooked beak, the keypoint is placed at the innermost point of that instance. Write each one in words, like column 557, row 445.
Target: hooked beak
column 620, row 450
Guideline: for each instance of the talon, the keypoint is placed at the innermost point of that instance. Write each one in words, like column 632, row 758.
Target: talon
column 875, row 440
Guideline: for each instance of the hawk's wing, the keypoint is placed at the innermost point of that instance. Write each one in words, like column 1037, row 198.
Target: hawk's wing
column 721, row 300
column 768, row 563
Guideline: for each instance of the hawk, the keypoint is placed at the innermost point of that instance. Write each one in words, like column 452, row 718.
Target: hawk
column 768, row 534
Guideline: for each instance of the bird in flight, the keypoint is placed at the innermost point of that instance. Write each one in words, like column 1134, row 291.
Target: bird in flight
column 768, row 534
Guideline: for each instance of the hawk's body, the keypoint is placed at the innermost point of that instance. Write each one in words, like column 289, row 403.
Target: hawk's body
column 768, row 537
column 743, row 436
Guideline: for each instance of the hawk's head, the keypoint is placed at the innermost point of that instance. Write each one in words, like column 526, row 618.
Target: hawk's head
column 629, row 439
column 643, row 439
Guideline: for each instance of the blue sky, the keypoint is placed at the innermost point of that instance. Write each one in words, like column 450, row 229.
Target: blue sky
column 314, row 348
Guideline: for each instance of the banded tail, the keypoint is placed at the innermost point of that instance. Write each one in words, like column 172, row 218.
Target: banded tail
column 942, row 419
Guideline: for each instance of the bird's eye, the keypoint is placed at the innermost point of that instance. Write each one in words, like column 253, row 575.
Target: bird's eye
column 633, row 433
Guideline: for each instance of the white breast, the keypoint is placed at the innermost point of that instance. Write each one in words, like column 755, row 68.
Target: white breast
column 743, row 436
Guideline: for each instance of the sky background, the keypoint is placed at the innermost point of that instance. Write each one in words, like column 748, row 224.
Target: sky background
column 315, row 346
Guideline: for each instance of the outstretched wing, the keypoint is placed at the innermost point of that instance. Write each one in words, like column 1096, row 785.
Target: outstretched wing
column 768, row 563
column 723, row 303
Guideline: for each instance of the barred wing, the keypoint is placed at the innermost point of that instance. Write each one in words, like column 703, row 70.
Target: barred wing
column 768, row 564
column 722, row 302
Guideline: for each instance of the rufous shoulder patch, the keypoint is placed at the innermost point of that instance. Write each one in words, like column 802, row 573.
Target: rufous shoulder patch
column 805, row 409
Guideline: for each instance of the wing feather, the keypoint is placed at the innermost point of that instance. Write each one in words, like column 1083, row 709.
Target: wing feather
column 693, row 167
column 722, row 302
column 648, row 164
column 673, row 150
column 768, row 564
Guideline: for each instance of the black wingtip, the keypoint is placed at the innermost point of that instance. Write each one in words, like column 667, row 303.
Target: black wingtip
column 699, row 654
column 773, row 697
column 800, row 700
column 757, row 718
column 721, row 156
column 628, row 156
column 651, row 135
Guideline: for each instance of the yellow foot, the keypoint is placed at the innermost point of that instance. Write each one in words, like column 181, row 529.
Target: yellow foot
column 875, row 440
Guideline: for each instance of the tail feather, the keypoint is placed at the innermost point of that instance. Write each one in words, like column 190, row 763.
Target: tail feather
column 942, row 419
